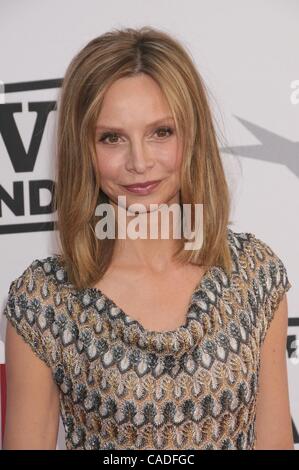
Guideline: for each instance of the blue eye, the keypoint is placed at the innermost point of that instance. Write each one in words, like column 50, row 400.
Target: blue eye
column 108, row 135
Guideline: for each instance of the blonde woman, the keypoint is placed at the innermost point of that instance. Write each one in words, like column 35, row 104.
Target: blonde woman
column 139, row 343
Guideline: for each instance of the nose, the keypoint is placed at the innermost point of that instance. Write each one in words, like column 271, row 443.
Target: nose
column 139, row 158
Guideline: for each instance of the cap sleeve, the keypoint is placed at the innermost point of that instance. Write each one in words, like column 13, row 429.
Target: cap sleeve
column 30, row 314
column 271, row 282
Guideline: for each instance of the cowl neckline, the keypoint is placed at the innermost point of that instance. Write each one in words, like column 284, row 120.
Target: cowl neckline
column 198, row 319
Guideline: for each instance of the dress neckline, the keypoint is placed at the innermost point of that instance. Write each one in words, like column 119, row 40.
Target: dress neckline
column 108, row 300
column 183, row 338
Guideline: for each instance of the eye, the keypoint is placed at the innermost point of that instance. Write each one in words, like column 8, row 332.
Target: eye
column 107, row 135
column 165, row 129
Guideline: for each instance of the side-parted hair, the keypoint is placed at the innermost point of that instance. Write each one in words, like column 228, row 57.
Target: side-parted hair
column 125, row 53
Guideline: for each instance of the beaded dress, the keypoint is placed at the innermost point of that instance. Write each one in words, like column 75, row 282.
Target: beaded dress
column 122, row 386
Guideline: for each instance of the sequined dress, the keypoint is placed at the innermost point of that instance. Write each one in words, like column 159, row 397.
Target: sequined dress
column 122, row 386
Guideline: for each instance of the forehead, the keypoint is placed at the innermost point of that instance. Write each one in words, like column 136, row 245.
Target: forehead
column 133, row 99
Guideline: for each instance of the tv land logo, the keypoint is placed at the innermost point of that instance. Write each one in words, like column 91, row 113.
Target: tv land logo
column 272, row 148
column 22, row 161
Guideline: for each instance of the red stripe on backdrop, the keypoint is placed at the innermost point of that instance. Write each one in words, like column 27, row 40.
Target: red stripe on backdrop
column 3, row 399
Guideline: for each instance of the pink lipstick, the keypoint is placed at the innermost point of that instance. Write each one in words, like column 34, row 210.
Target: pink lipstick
column 142, row 188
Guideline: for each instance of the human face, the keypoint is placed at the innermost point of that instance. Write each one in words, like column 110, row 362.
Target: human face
column 132, row 147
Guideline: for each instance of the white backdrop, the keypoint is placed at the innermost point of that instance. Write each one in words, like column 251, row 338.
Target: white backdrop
column 246, row 53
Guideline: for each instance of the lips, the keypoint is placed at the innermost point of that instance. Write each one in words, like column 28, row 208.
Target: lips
column 141, row 185
column 143, row 189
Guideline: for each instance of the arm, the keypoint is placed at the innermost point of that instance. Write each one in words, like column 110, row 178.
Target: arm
column 273, row 418
column 32, row 410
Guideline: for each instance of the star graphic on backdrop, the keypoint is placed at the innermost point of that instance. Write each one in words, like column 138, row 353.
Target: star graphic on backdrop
column 272, row 148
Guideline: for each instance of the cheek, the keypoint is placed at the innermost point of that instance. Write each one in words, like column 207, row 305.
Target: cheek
column 173, row 158
column 107, row 168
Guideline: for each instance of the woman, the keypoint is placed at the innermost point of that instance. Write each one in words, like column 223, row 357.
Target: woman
column 140, row 343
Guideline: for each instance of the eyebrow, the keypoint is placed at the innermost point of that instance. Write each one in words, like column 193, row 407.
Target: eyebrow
column 119, row 129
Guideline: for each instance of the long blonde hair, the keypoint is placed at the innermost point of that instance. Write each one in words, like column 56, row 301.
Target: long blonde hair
column 124, row 53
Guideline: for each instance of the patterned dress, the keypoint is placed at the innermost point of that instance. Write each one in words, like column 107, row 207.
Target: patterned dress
column 122, row 386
